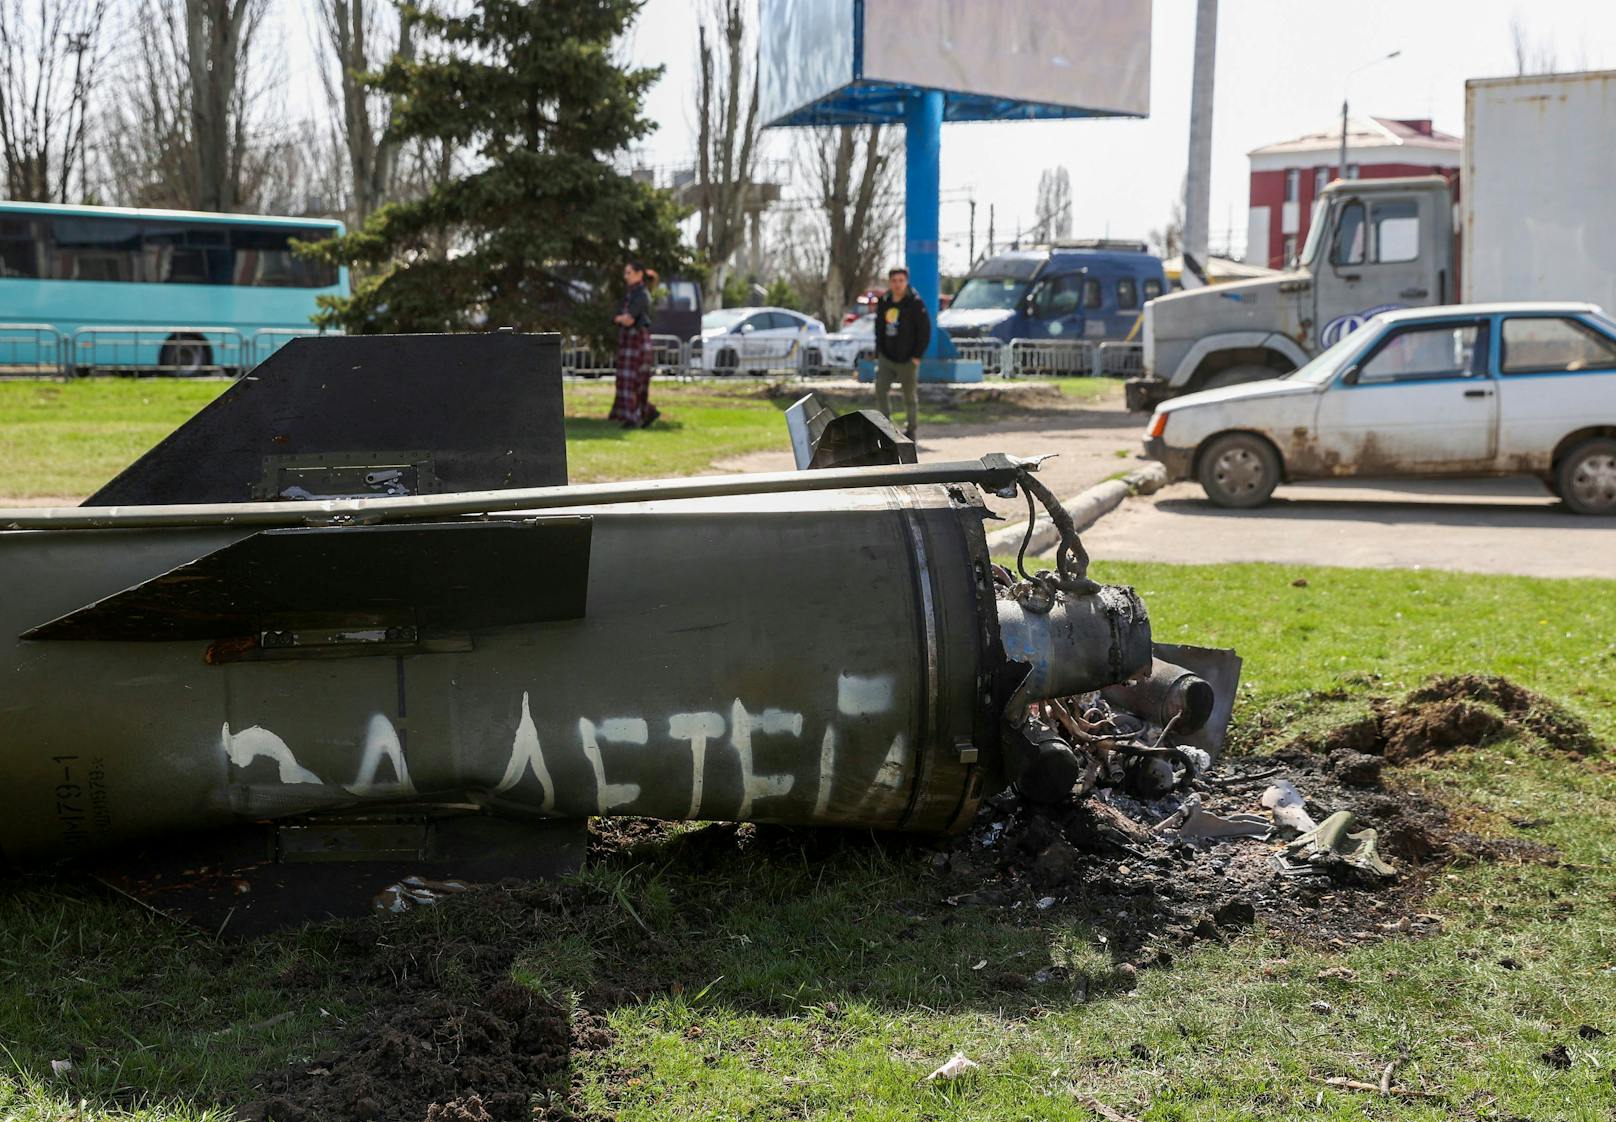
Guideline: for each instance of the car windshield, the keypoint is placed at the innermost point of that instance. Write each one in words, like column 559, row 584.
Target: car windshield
column 989, row 293
column 1322, row 368
column 725, row 317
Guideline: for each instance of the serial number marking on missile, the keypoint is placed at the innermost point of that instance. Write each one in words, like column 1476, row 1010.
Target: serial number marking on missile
column 100, row 799
column 69, row 804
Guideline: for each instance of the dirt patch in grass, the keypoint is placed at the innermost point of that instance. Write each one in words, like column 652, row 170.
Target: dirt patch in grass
column 457, row 1039
column 1454, row 713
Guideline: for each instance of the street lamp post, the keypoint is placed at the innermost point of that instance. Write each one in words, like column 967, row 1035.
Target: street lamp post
column 1342, row 169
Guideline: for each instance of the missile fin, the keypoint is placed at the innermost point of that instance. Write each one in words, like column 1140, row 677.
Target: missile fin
column 403, row 579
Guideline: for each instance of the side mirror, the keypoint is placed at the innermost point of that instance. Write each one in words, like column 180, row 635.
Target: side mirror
column 747, row 329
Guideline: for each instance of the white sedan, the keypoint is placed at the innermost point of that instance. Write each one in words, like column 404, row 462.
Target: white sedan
column 1479, row 389
column 760, row 339
column 853, row 342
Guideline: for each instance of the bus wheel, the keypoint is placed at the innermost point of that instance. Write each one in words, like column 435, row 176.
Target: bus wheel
column 185, row 355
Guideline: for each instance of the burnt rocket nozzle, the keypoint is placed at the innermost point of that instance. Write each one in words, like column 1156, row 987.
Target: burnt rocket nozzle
column 1168, row 693
column 1080, row 644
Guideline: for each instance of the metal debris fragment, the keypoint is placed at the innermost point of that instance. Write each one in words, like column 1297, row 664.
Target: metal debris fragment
column 1286, row 803
column 1331, row 846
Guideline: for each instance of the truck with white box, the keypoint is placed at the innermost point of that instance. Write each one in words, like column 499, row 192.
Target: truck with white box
column 1535, row 219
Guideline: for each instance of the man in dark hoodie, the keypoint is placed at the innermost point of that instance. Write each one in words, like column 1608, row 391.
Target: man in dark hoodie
column 902, row 330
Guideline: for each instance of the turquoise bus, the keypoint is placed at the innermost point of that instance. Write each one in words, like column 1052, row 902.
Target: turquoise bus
column 88, row 289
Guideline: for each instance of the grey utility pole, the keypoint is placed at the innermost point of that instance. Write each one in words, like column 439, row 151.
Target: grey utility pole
column 1341, row 166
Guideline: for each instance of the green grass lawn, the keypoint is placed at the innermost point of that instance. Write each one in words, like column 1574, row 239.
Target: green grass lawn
column 805, row 980
column 64, row 439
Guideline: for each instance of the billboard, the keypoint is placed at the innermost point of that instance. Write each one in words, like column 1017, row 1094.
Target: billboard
column 851, row 61
column 805, row 53
column 1090, row 54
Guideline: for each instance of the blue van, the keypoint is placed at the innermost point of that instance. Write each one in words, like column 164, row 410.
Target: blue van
column 1090, row 290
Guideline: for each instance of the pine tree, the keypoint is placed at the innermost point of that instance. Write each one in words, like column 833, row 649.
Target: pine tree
column 538, row 223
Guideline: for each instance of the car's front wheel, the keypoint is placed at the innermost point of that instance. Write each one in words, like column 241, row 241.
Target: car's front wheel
column 1586, row 477
column 1239, row 470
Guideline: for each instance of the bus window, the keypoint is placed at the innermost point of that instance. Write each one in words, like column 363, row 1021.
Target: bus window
column 95, row 249
column 264, row 258
column 1092, row 298
column 1152, row 288
column 680, row 296
column 19, row 247
column 1127, row 293
column 176, row 254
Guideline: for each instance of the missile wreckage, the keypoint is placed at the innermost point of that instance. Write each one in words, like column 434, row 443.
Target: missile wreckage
column 350, row 621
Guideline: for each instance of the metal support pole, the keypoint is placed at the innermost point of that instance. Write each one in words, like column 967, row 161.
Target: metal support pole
column 1198, row 178
column 923, row 136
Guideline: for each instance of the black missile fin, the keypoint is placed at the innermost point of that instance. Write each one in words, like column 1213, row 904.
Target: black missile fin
column 367, row 416
column 393, row 582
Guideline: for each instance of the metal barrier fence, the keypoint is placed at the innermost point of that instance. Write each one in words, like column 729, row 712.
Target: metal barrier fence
column 158, row 350
column 1049, row 356
column 1122, row 360
column 989, row 352
column 36, row 349
column 268, row 340
column 30, row 349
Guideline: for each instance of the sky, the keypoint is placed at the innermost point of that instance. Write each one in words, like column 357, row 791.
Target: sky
column 1281, row 70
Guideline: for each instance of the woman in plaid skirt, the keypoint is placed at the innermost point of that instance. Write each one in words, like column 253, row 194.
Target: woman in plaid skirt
column 635, row 359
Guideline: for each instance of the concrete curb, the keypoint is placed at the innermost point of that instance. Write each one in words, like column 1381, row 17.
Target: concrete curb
column 1086, row 509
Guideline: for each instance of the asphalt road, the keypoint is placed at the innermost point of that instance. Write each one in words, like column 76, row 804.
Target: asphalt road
column 1470, row 525
column 1473, row 525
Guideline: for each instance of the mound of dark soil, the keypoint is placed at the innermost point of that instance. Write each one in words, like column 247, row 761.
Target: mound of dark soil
column 1455, row 713
column 460, row 1043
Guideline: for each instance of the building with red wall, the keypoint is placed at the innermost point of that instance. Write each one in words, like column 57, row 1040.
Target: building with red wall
column 1287, row 177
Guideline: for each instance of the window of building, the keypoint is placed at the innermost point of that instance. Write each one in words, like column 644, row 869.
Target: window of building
column 1127, row 293
column 1289, row 253
column 1321, row 180
column 1352, row 171
column 1415, row 354
column 1292, row 182
column 1543, row 345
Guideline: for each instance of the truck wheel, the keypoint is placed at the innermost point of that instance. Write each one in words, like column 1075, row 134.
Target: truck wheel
column 1239, row 470
column 1586, row 477
column 1237, row 375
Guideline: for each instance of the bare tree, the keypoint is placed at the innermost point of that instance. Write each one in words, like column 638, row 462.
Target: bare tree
column 1054, row 210
column 50, row 57
column 855, row 209
column 1168, row 240
column 726, row 137
column 1531, row 56
column 357, row 42
column 191, row 131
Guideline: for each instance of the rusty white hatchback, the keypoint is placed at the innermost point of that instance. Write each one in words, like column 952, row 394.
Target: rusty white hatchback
column 1467, row 389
